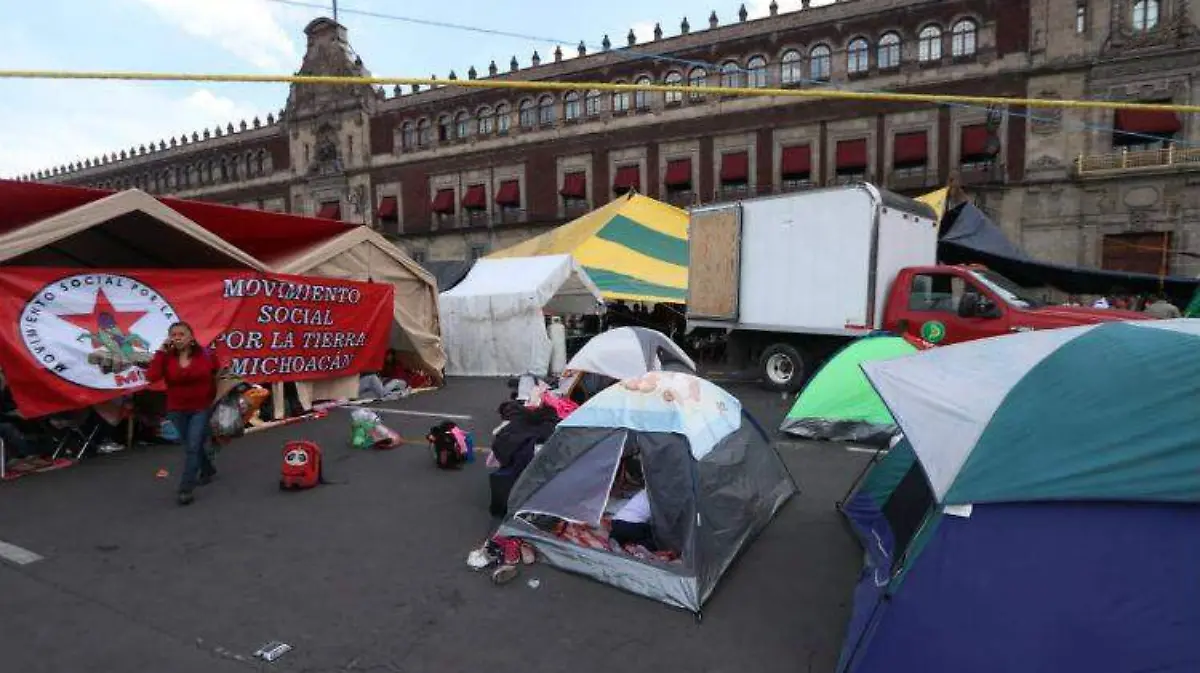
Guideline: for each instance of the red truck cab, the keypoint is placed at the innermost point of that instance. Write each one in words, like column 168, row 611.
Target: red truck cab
column 952, row 304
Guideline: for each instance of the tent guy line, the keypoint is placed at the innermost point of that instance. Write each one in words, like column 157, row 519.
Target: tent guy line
column 603, row 86
column 426, row 414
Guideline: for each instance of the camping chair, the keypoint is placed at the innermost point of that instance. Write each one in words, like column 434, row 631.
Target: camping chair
column 66, row 432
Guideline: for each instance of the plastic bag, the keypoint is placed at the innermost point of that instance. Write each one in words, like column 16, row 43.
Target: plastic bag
column 383, row 437
column 367, row 430
column 226, row 421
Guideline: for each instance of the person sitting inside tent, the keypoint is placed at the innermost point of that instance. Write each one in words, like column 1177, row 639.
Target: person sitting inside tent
column 631, row 524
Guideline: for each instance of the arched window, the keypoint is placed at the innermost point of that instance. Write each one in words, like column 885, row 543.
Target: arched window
column 408, row 136
column 484, row 121
column 790, row 68
column 462, row 125
column 546, row 110
column 445, row 128
column 591, row 103
column 571, row 106
column 929, row 44
column 641, row 98
column 424, row 133
column 889, row 51
column 620, row 100
column 1145, row 15
column 698, row 77
column 261, row 160
column 858, row 56
column 527, row 114
column 821, row 62
column 233, row 168
column 208, row 172
column 962, row 38
column 224, row 171
column 503, row 118
column 731, row 75
column 249, row 159
column 674, row 78
column 756, row 75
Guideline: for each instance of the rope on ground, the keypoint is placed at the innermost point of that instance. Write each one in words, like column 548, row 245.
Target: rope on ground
column 526, row 85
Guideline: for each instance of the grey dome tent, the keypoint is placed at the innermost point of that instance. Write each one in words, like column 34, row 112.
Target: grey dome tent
column 712, row 476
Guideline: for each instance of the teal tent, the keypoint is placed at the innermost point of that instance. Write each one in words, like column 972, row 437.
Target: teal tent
column 839, row 403
column 1017, row 526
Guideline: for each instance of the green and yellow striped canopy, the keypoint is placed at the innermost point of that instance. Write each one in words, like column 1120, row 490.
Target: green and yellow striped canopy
column 634, row 248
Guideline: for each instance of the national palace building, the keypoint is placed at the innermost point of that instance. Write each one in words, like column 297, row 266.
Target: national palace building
column 453, row 172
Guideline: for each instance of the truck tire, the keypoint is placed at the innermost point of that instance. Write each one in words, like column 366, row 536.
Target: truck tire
column 782, row 368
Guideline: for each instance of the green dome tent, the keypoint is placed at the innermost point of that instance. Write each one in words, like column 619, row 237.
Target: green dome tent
column 839, row 404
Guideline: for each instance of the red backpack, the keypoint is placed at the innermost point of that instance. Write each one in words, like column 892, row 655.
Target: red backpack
column 301, row 465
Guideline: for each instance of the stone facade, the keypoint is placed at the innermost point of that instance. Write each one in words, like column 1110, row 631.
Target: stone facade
column 1052, row 177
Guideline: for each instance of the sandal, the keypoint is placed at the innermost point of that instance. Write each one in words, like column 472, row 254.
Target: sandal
column 504, row 574
column 528, row 554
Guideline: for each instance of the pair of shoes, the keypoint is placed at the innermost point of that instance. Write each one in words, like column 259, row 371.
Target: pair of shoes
column 186, row 497
column 504, row 574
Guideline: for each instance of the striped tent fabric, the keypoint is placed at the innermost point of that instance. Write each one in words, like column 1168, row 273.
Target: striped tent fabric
column 635, row 248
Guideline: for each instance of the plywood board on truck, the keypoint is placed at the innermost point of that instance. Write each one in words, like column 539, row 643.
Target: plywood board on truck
column 714, row 263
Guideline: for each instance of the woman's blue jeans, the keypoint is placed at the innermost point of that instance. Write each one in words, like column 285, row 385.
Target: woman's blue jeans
column 194, row 433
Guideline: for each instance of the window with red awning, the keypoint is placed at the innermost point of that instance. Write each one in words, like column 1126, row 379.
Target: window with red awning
column 509, row 194
column 679, row 174
column 475, row 198
column 852, row 155
column 735, row 168
column 975, row 140
column 910, row 149
column 796, row 162
column 628, row 178
column 1149, row 122
column 574, row 185
column 443, row 202
column 330, row 211
column 388, row 208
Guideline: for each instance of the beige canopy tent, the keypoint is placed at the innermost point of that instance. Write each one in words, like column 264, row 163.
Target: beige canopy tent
column 130, row 229
column 363, row 254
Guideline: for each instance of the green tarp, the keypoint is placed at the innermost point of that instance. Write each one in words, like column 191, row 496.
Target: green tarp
column 839, row 403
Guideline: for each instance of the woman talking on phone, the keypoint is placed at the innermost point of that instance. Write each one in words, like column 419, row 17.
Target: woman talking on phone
column 189, row 371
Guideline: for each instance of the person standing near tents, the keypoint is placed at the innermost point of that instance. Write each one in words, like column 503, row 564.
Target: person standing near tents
column 189, row 371
column 1162, row 309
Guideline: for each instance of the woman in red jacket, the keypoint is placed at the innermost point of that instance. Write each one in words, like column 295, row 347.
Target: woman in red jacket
column 190, row 372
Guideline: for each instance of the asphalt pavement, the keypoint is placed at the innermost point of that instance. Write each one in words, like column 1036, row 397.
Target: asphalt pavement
column 368, row 573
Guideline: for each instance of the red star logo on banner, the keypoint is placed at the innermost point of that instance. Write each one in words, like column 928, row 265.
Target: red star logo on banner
column 103, row 315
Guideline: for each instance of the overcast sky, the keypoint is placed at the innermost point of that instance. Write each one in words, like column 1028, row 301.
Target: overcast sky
column 48, row 123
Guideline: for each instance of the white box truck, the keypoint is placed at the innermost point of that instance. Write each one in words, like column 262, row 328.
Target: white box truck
column 790, row 278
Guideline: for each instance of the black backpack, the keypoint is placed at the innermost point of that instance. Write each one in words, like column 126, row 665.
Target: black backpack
column 446, row 454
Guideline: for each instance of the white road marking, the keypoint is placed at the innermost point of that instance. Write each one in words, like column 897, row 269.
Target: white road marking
column 18, row 555
column 429, row 414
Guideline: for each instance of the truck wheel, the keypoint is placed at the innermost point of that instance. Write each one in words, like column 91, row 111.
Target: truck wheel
column 782, row 368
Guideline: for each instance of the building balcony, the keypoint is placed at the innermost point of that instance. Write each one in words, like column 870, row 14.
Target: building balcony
column 905, row 179
column 980, row 173
column 1168, row 158
column 477, row 219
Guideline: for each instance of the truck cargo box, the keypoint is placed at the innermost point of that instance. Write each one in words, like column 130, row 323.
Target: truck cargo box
column 817, row 262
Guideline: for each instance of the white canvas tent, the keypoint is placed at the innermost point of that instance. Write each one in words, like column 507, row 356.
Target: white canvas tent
column 363, row 254
column 493, row 322
column 130, row 229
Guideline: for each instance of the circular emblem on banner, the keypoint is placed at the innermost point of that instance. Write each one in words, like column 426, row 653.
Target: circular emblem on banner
column 96, row 330
column 933, row 331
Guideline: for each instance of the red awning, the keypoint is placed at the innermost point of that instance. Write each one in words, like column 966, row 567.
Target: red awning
column 509, row 193
column 330, row 211
column 974, row 141
column 1156, row 122
column 735, row 167
column 679, row 173
column 443, row 202
column 910, row 149
column 263, row 235
column 574, row 185
column 628, row 178
column 796, row 161
column 475, row 198
column 851, row 154
column 387, row 208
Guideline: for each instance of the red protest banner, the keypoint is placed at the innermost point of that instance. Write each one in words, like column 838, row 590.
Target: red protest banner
column 69, row 339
